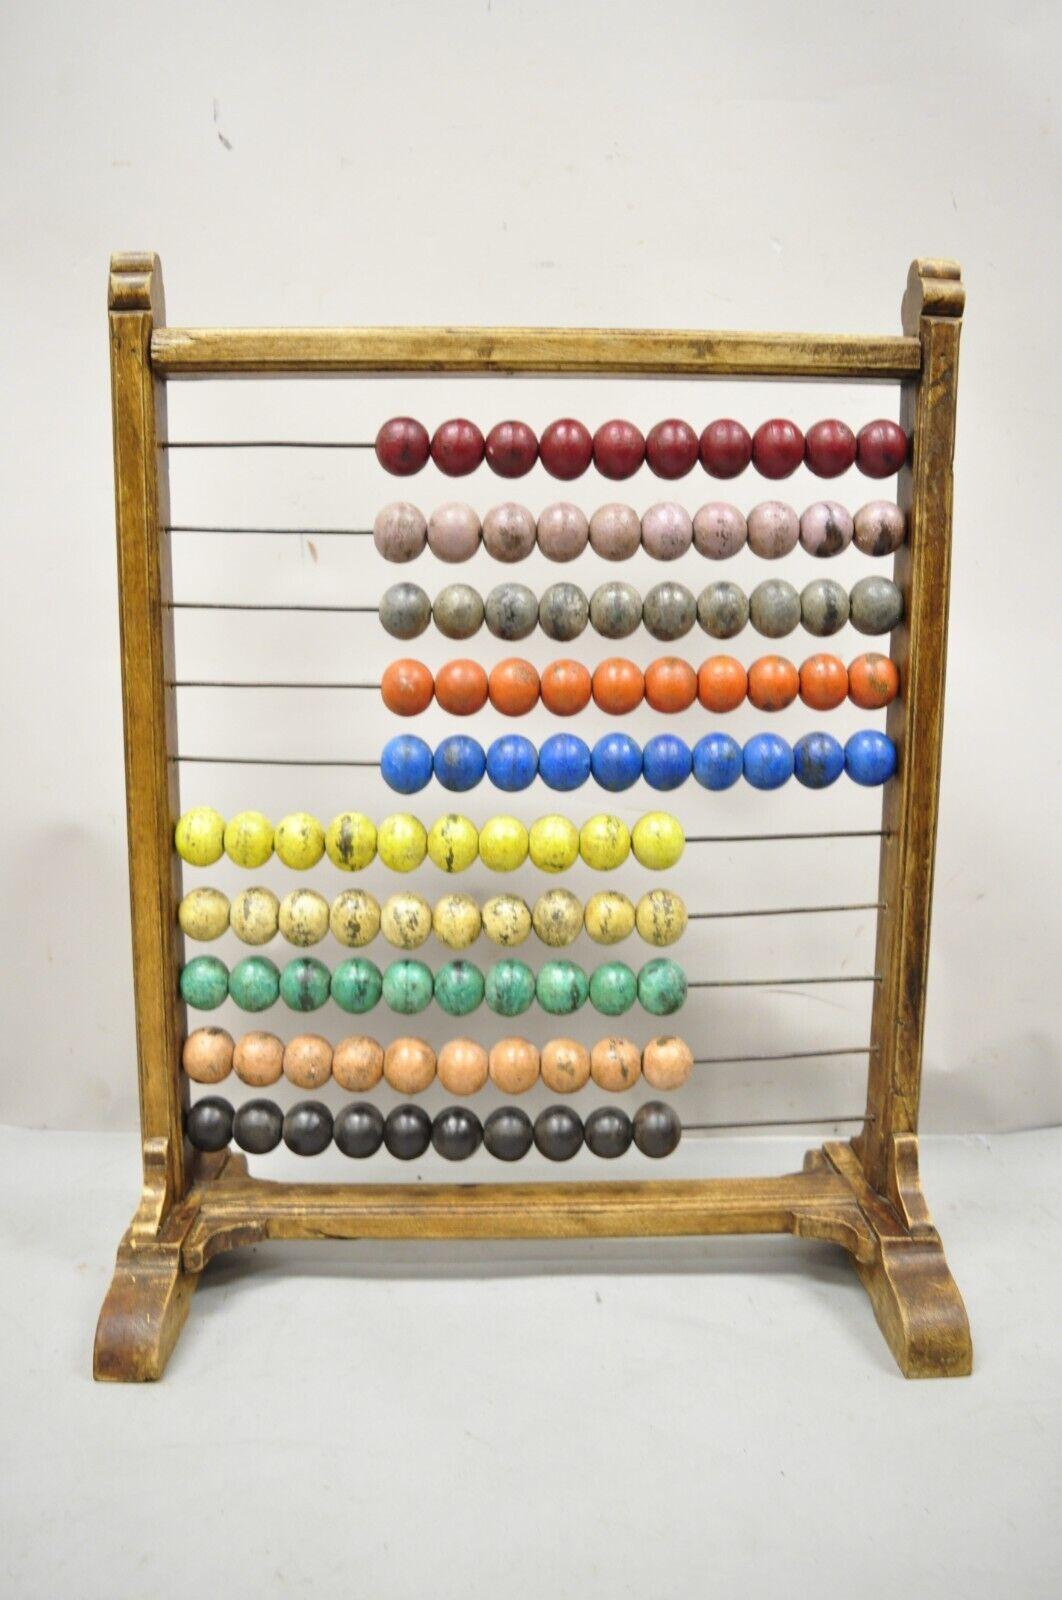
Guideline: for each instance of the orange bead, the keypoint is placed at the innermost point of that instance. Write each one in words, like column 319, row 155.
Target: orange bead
column 873, row 681
column 722, row 683
column 409, row 1065
column 618, row 686
column 615, row 1064
column 357, row 1063
column 565, row 1065
column 407, row 687
column 565, row 688
column 308, row 1061
column 773, row 683
column 462, row 1066
column 513, row 1065
column 670, row 684
column 461, row 687
column 514, row 687
column 823, row 682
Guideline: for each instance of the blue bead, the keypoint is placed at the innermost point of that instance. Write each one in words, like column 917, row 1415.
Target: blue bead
column 818, row 760
column 406, row 763
column 717, row 761
column 666, row 761
column 869, row 757
column 512, row 762
column 459, row 762
column 767, row 761
column 616, row 762
column 564, row 761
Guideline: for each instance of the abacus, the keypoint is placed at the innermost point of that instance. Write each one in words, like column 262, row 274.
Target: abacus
column 864, row 1195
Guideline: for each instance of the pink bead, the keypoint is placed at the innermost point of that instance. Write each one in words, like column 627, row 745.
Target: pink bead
column 829, row 448
column 879, row 528
column 399, row 531
column 509, row 532
column 615, row 532
column 566, row 449
column 881, row 448
column 667, row 531
column 719, row 530
column 562, row 532
column 774, row 529
column 726, row 448
column 777, row 448
column 825, row 528
column 671, row 448
column 619, row 449
column 453, row 532
column 457, row 447
column 402, row 446
column 512, row 449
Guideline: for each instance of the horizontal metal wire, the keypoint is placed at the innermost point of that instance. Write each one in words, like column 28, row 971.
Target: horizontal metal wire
column 780, row 983
column 264, row 761
column 268, row 444
column 774, row 1122
column 785, row 911
column 302, row 533
column 245, row 683
column 244, row 605
column 760, row 838
column 786, row 1055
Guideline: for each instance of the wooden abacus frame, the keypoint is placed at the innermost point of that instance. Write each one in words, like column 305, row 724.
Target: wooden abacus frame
column 864, row 1195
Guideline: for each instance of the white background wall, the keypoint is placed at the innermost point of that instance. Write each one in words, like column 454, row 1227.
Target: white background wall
column 674, row 164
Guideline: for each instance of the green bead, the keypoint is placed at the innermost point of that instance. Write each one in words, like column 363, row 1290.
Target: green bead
column 357, row 985
column 407, row 987
column 305, row 984
column 561, row 987
column 255, row 983
column 662, row 987
column 459, row 988
column 510, row 987
column 204, row 982
column 613, row 988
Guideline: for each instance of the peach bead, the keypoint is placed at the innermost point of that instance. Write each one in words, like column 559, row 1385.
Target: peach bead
column 461, row 687
column 722, row 684
column 462, row 1066
column 565, row 688
column 565, row 1065
column 258, row 1059
column 615, row 1064
column 513, row 1065
column 823, row 682
column 207, row 1055
column 562, row 532
column 773, row 530
column 357, row 1063
column 670, row 684
column 667, row 1063
column 407, row 687
column 873, row 681
column 513, row 687
column 618, row 686
column 409, row 1065
column 308, row 1061
column 773, row 683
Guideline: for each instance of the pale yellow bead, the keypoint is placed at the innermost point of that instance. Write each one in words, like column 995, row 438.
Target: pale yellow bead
column 506, row 920
column 255, row 915
column 558, row 918
column 355, row 918
column 405, row 921
column 304, row 917
column 609, row 917
column 204, row 914
column 662, row 917
column 457, row 921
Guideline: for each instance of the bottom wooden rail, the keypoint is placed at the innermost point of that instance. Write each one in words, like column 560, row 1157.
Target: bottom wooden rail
column 894, row 1247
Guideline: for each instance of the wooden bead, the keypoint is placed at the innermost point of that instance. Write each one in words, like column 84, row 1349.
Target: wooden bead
column 508, row 1134
column 671, row 448
column 823, row 682
column 357, row 1063
column 399, row 531
column 777, row 448
column 358, row 1131
column 406, row 920
column 453, row 843
column 873, row 681
column 719, row 531
column 199, row 837
column 825, row 528
column 299, row 841
column 258, row 1059
column 563, row 612
column 876, row 605
column 558, row 1133
column 407, row 987
column 407, row 1132
column 829, row 448
column 608, row 917
column 308, row 1128
column 456, row 921
column 879, row 528
column 667, row 531
column 409, row 1065
column 619, row 449
column 657, row 1129
column 657, row 840
column 503, row 844
column 618, row 686
column 208, row 1123
column 565, row 688
column 670, row 685
column 725, row 448
column 351, row 841
column 305, row 984
column 553, row 843
column 669, row 611
column 722, row 684
column 510, row 988
column 661, row 917
column 402, row 446
column 773, row 683
column 308, row 1061
column 881, row 448
column 258, row 1126
column 667, row 1062
column 662, row 987
column 615, row 532
column 407, row 687
column 558, row 918
column 458, row 611
column 204, row 914
column 774, row 608
column 824, row 607
column 511, row 611
column 511, row 449
column 355, row 918
column 207, row 1055
column 722, row 610
column 405, row 611
column 561, row 988
column 604, row 842
column 249, row 839
column 303, row 917
column 562, row 532
column 565, row 1066
column 514, row 1065
column 613, row 988
column 453, row 532
column 459, row 988
column 204, row 983
column 457, row 447
column 462, row 1067
column 774, row 529
column 608, row 1132
column 615, row 1064
column 513, row 687
column 456, row 1133
column 509, row 532
column 615, row 610
column 461, row 687
column 506, row 920
column 566, row 448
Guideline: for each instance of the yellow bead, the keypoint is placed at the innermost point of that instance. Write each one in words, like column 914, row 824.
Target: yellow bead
column 453, row 843
column 658, row 840
column 249, row 839
column 255, row 915
column 406, row 921
column 200, row 836
column 401, row 842
column 609, row 917
column 554, row 844
column 506, row 920
column 604, row 843
column 299, row 841
column 351, row 841
column 303, row 917
column 204, row 914
column 558, row 917
column 503, row 844
column 355, row 918
column 662, row 917
column 456, row 921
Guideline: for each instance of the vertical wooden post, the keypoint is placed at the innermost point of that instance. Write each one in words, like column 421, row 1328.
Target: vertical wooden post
column 932, row 310
column 138, row 400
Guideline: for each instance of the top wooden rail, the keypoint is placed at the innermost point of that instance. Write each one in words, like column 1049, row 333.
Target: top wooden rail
column 223, row 352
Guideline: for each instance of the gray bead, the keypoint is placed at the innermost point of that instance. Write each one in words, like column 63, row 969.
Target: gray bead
column 563, row 612
column 774, row 607
column 877, row 605
column 405, row 611
column 615, row 610
column 512, row 611
column 458, row 611
column 669, row 611
column 824, row 607
column 722, row 610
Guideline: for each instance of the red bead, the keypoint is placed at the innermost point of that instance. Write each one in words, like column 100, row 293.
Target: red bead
column 726, row 448
column 882, row 448
column 512, row 449
column 457, row 447
column 566, row 448
column 671, row 448
column 402, row 446
column 777, row 448
column 829, row 448
column 619, row 449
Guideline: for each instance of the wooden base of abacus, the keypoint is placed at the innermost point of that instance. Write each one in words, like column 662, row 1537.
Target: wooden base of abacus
column 890, row 1238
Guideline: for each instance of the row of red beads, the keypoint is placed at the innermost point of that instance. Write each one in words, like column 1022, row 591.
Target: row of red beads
column 567, row 448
